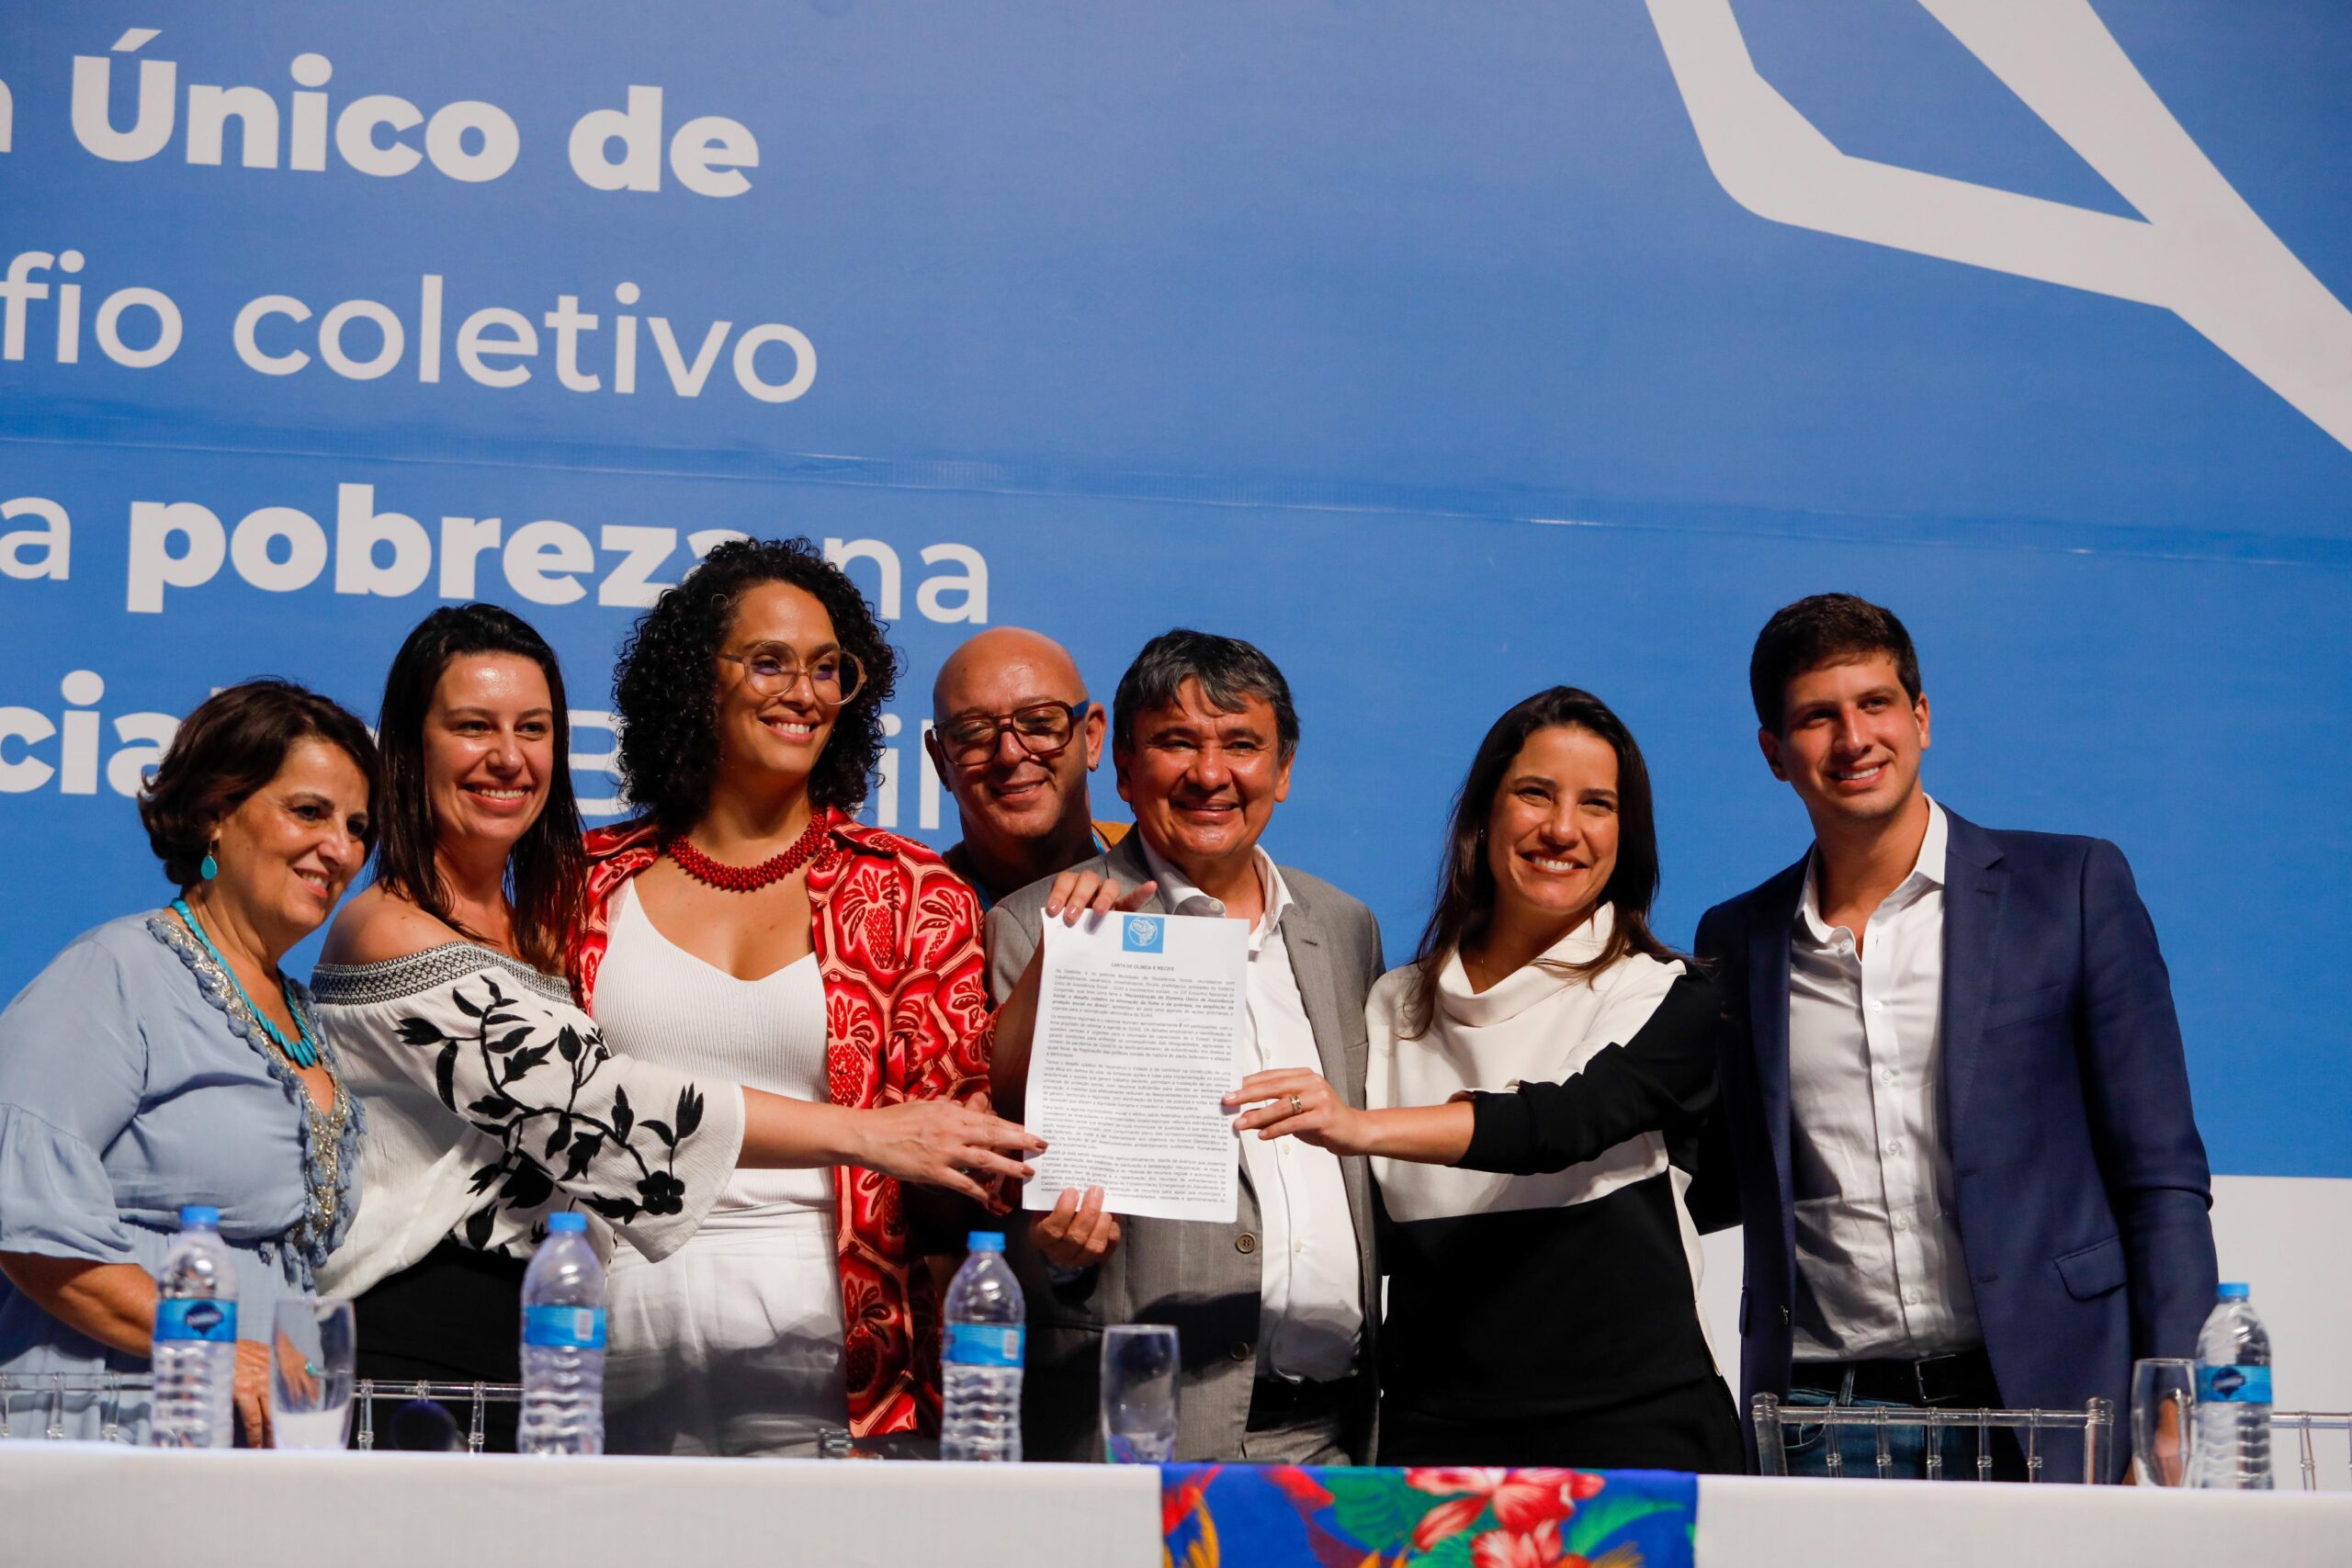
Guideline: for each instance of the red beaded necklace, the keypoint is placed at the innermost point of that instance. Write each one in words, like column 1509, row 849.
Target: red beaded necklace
column 748, row 878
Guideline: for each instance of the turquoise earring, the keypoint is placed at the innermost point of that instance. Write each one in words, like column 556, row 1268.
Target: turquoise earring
column 209, row 869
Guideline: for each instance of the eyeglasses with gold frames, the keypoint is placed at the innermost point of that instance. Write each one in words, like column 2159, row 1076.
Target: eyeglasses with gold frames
column 772, row 670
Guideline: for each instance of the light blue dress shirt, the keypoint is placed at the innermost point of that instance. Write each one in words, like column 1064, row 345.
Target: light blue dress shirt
column 131, row 1082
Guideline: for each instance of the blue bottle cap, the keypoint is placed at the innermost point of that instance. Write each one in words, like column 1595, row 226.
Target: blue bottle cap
column 200, row 1216
column 569, row 1223
column 986, row 1241
column 2235, row 1292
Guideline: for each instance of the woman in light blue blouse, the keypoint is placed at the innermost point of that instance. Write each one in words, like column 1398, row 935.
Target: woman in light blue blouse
column 162, row 1059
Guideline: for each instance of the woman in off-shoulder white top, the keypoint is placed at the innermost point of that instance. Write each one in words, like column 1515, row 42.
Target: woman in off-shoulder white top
column 492, row 1098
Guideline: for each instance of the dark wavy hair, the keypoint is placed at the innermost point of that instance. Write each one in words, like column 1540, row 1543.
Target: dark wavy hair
column 665, row 691
column 544, row 871
column 1465, row 883
column 233, row 743
column 1229, row 671
column 1827, row 628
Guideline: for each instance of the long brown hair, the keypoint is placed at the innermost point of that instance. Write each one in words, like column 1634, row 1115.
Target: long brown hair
column 546, row 870
column 1465, row 883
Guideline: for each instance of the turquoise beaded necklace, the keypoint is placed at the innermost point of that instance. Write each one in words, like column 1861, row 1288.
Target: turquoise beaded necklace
column 304, row 1050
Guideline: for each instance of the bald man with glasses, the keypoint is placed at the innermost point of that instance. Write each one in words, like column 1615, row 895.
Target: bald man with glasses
column 1013, row 737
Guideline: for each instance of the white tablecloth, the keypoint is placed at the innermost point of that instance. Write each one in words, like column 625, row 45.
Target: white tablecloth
column 92, row 1505
column 1750, row 1522
column 66, row 1503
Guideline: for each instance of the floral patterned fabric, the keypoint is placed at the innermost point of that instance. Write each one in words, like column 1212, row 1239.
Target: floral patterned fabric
column 495, row 1102
column 897, row 937
column 1244, row 1516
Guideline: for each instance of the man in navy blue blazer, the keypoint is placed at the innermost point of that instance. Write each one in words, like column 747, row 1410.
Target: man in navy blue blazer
column 1957, row 1108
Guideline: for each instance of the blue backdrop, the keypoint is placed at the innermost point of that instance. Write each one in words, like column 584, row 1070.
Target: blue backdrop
column 1447, row 351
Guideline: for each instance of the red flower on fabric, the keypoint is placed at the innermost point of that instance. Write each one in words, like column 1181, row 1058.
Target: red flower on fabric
column 1522, row 1499
column 1177, row 1503
column 1304, row 1491
column 1539, row 1548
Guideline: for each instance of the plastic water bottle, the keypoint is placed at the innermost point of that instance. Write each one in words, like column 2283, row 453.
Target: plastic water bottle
column 2234, row 1397
column 195, row 1337
column 981, row 1358
column 563, row 1344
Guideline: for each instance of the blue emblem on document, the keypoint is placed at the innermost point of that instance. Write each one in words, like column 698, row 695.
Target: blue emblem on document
column 1144, row 933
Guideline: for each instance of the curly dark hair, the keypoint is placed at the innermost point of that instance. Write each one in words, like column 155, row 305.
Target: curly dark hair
column 231, row 745
column 665, row 691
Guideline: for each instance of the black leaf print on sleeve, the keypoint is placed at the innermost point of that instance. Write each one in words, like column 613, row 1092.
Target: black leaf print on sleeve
column 584, row 1150
column 444, row 1074
column 527, row 1186
column 689, row 1110
column 522, row 1061
column 478, row 1227
column 622, row 1117
column 415, row 1031
column 662, row 1131
column 465, row 1005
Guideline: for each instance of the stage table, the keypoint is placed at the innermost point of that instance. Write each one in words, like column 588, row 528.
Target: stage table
column 103, row 1504
column 98, row 1504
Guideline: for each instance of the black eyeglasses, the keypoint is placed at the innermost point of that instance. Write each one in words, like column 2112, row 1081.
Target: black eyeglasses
column 1042, row 729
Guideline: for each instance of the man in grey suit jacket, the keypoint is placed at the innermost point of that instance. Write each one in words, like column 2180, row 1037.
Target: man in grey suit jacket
column 1275, row 1313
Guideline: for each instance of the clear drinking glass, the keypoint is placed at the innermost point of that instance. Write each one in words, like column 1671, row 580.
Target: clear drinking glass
column 1140, row 1368
column 2164, row 1410
column 312, row 1344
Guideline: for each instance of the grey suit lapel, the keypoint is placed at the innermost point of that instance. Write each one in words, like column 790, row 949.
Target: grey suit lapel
column 1125, row 862
column 1318, row 989
column 1336, row 1025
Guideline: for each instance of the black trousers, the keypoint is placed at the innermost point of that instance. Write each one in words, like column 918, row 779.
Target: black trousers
column 1692, row 1427
column 456, row 1317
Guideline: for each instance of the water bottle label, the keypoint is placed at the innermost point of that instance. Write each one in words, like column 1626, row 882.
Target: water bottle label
column 564, row 1328
column 199, row 1319
column 983, row 1345
column 2234, row 1386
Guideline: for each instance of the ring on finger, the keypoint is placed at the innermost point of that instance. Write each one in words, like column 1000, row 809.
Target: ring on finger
column 1297, row 1106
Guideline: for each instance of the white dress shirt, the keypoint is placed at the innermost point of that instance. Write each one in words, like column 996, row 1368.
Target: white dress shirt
column 1310, row 1294
column 1880, row 1270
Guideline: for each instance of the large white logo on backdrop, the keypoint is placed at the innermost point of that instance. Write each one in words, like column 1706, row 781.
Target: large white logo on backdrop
column 2197, row 250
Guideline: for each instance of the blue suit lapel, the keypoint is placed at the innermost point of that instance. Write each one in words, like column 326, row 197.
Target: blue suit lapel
column 1771, row 915
column 1975, row 886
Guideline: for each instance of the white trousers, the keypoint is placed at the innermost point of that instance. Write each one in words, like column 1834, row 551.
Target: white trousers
column 732, row 1344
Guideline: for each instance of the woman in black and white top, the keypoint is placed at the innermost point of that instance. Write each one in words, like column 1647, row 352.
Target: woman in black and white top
column 493, row 1099
column 1526, row 1071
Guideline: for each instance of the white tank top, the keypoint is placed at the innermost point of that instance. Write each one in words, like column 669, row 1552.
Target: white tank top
column 659, row 1003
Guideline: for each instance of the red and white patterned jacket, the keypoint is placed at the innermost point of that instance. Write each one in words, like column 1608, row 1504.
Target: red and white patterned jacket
column 898, row 942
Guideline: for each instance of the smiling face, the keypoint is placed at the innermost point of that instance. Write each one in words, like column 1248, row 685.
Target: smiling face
column 775, row 737
column 1011, row 795
column 489, row 749
column 1850, row 743
column 1552, row 831
column 290, row 849
column 1204, row 784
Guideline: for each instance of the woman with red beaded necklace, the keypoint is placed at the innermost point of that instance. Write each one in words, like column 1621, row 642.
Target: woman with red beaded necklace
column 747, row 927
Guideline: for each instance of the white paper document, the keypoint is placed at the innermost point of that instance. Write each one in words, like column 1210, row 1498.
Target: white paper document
column 1137, row 1026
